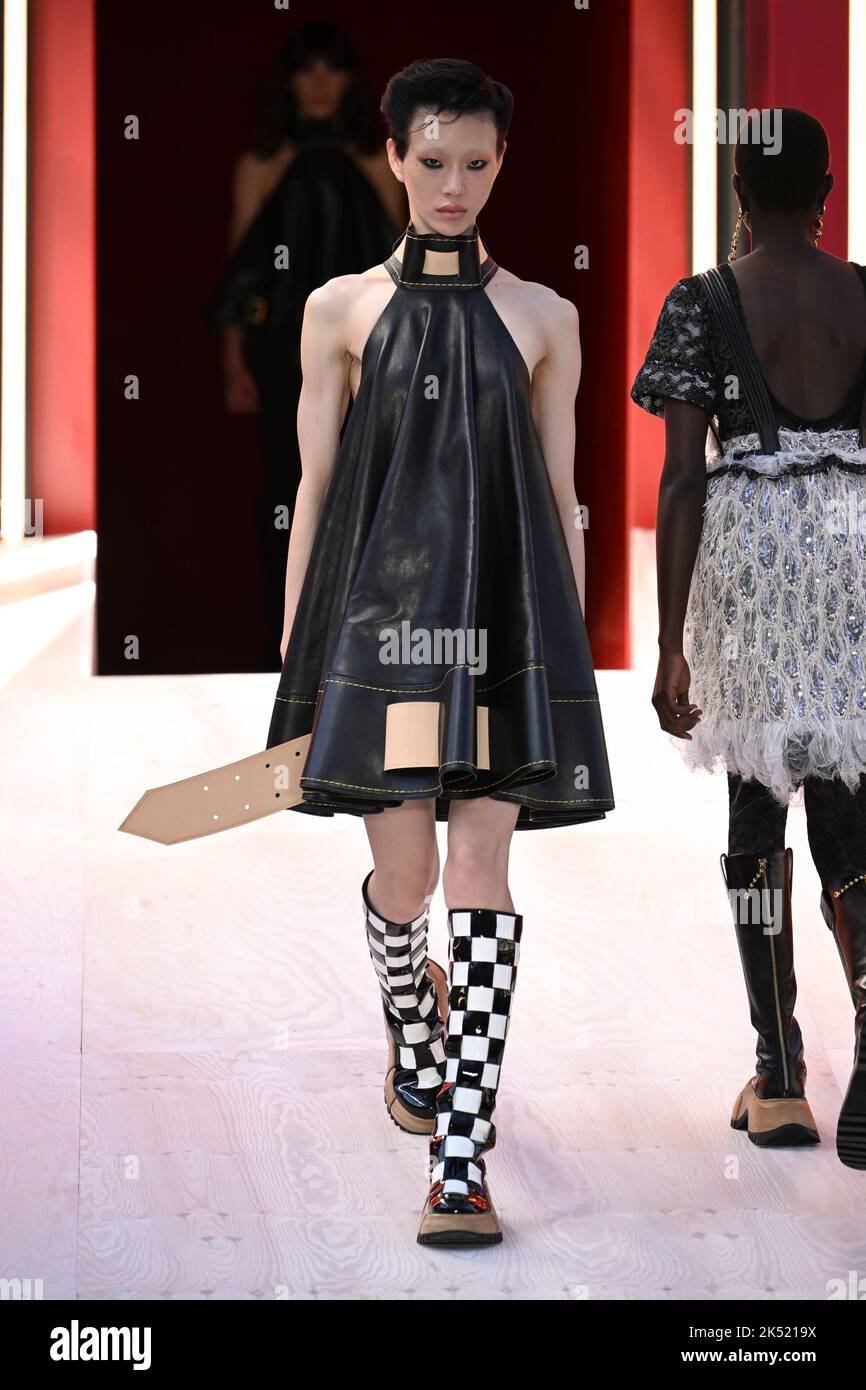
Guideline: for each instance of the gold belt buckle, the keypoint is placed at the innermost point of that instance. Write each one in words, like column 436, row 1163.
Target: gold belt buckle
column 257, row 309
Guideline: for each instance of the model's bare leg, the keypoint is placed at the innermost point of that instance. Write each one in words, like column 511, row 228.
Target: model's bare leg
column 479, row 840
column 406, row 858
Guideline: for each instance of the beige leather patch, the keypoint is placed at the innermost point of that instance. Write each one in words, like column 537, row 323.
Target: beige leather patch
column 412, row 735
column 482, row 736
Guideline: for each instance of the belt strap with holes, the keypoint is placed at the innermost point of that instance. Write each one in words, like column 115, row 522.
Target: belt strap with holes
column 223, row 798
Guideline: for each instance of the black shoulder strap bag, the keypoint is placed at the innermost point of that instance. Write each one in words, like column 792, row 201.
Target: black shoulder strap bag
column 748, row 371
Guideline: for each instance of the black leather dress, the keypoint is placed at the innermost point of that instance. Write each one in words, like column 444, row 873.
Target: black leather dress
column 440, row 518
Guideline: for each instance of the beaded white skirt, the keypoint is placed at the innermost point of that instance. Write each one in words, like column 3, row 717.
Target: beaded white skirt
column 775, row 629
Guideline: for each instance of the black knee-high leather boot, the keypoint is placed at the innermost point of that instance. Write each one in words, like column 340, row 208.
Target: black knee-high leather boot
column 414, row 990
column 843, row 906
column 772, row 1106
column 484, row 946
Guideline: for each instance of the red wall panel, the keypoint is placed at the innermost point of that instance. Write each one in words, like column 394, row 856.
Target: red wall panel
column 62, row 347
column 658, row 218
column 796, row 54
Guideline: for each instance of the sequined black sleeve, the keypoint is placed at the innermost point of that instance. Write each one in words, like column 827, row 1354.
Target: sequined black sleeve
column 679, row 361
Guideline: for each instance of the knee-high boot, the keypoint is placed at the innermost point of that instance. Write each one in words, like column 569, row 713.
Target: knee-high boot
column 772, row 1106
column 484, row 946
column 843, row 906
column 413, row 991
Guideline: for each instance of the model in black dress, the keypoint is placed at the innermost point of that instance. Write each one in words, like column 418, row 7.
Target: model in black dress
column 438, row 651
column 313, row 198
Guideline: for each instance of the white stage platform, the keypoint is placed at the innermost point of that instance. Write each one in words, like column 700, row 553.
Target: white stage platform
column 193, row 1049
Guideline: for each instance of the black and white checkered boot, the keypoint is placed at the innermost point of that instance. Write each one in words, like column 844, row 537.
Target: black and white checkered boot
column 414, row 1000
column 484, row 946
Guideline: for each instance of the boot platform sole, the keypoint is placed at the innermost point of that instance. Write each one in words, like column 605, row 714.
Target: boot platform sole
column 404, row 1118
column 459, row 1228
column 851, row 1126
column 781, row 1123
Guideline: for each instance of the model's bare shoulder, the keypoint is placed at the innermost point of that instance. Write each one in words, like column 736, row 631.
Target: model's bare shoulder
column 325, row 300
column 335, row 294
column 374, row 163
column 562, row 321
column 326, row 313
column 345, row 307
column 535, row 299
column 335, row 301
column 263, row 172
column 541, row 321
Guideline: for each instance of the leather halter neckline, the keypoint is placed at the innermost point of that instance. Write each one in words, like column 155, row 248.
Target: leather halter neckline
column 409, row 273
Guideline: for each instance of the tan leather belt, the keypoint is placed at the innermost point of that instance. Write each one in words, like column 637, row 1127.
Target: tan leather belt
column 222, row 798
column 270, row 781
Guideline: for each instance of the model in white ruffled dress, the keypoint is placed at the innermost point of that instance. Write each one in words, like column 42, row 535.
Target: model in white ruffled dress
column 775, row 630
column 762, row 591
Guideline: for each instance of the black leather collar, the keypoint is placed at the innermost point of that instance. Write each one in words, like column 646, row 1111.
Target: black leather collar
column 471, row 273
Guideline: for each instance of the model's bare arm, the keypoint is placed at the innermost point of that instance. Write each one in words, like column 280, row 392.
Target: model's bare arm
column 251, row 184
column 247, row 193
column 321, row 411
column 679, row 521
column 240, row 388
column 554, row 387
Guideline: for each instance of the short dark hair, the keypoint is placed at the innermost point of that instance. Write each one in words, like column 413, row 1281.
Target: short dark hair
column 446, row 84
column 792, row 179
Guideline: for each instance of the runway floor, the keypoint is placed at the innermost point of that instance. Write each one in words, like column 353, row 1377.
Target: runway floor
column 193, row 1048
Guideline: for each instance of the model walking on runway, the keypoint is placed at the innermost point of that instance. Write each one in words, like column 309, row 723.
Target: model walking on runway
column 316, row 183
column 434, row 639
column 761, row 546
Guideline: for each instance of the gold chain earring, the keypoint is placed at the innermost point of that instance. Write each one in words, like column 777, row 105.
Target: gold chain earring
column 818, row 224
column 732, row 255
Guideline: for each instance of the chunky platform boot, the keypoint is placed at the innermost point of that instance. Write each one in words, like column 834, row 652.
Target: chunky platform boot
column 414, row 999
column 772, row 1106
column 843, row 906
column 483, row 951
